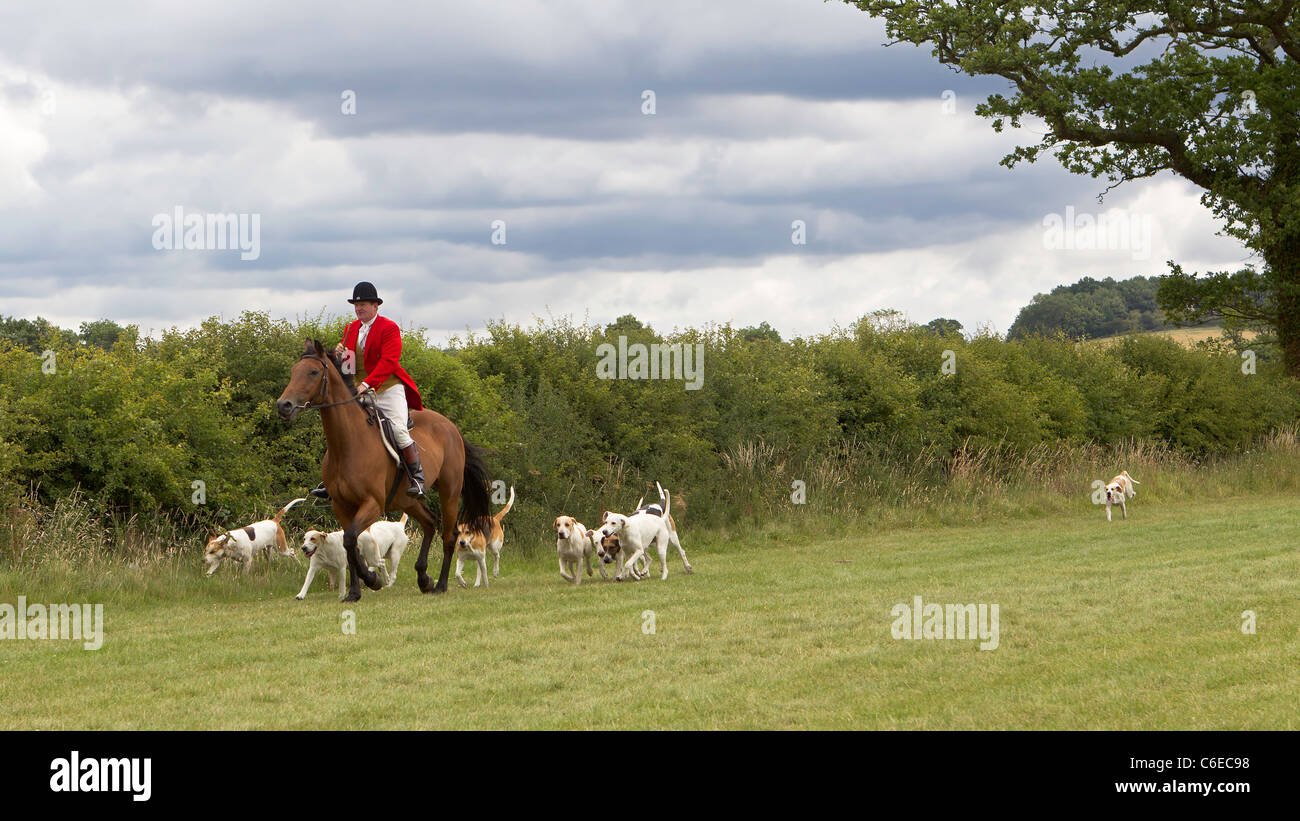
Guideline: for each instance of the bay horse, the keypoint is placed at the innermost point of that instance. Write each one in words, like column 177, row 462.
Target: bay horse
column 362, row 479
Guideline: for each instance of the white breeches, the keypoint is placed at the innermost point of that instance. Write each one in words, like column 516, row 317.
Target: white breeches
column 393, row 403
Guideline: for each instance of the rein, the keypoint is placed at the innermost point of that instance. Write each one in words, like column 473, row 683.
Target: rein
column 370, row 417
column 324, row 383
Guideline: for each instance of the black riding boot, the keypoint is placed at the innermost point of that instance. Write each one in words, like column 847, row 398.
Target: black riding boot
column 411, row 455
column 320, row 492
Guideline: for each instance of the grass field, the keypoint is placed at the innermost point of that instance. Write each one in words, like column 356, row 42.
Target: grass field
column 1183, row 336
column 1130, row 625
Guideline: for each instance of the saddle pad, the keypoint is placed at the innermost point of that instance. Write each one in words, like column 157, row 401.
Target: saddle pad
column 386, row 430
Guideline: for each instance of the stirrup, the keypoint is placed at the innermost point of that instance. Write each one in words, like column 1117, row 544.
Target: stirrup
column 415, row 474
column 320, row 492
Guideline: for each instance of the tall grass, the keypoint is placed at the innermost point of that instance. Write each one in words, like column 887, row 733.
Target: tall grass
column 855, row 485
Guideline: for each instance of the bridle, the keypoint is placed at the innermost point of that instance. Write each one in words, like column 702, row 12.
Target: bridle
column 324, row 383
column 370, row 409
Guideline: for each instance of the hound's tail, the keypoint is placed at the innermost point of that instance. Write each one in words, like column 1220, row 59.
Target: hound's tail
column 285, row 509
column 402, row 521
column 668, row 500
column 662, row 497
column 501, row 514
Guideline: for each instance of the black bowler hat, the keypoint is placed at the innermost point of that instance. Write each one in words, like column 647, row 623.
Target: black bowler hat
column 365, row 292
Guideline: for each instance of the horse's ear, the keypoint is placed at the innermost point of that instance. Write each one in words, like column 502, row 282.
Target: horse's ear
column 306, row 348
column 319, row 349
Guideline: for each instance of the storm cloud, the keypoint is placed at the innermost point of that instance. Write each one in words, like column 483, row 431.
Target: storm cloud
column 530, row 117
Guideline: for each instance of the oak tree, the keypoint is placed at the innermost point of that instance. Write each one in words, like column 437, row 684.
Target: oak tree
column 1127, row 90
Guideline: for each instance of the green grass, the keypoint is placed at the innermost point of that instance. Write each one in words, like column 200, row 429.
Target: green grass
column 1130, row 625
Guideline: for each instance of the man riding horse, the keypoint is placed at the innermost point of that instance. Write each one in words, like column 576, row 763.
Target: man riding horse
column 358, row 474
column 372, row 348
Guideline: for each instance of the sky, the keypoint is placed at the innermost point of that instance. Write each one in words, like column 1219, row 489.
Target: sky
column 504, row 160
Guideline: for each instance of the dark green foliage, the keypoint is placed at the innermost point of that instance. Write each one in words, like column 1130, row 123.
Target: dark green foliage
column 103, row 333
column 135, row 425
column 943, row 327
column 1092, row 309
column 35, row 335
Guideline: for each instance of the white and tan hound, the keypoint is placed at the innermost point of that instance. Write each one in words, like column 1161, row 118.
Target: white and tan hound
column 572, row 548
column 474, row 540
column 642, row 529
column 381, row 546
column 241, row 545
column 1119, row 491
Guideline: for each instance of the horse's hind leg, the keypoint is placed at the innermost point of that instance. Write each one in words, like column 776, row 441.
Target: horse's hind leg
column 449, row 498
column 428, row 524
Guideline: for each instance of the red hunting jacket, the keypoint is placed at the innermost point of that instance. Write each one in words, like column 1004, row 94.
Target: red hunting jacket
column 383, row 352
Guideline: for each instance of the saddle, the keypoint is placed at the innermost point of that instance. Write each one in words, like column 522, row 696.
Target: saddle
column 375, row 416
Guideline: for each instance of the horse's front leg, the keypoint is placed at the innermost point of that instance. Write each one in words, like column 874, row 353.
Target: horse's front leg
column 358, row 570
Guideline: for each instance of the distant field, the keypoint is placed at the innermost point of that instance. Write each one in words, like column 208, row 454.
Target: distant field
column 1135, row 624
column 1184, row 336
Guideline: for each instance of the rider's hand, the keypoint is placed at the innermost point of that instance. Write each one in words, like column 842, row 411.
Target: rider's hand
column 366, row 395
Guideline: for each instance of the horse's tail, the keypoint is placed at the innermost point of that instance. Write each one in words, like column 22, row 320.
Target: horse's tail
column 474, row 490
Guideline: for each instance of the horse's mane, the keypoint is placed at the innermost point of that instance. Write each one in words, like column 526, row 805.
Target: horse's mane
column 348, row 379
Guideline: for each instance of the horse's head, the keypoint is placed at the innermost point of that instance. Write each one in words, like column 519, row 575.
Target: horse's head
column 308, row 381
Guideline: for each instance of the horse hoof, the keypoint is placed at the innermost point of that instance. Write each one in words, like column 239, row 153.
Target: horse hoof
column 352, row 597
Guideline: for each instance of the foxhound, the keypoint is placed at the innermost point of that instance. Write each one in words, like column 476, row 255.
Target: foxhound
column 610, row 551
column 381, row 545
column 473, row 541
column 652, row 525
column 1119, row 491
column 241, row 545
column 573, row 547
column 390, row 543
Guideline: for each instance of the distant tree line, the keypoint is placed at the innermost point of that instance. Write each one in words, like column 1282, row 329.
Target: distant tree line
column 31, row 333
column 1092, row 308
